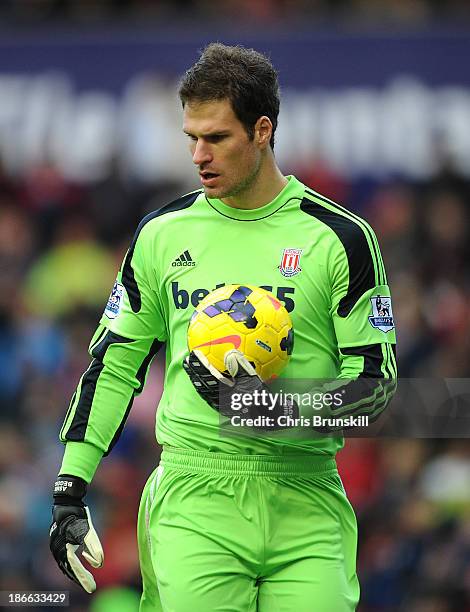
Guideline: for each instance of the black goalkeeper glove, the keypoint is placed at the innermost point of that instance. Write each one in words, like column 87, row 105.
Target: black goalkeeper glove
column 217, row 389
column 72, row 532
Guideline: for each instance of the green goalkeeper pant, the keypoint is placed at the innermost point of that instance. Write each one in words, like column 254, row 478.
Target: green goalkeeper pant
column 230, row 533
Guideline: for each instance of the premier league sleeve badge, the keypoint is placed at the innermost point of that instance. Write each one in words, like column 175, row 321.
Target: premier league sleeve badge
column 114, row 301
column 382, row 316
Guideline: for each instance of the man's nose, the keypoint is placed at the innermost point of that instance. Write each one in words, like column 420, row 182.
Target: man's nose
column 202, row 153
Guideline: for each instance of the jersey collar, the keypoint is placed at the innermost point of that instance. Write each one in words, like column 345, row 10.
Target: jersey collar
column 293, row 189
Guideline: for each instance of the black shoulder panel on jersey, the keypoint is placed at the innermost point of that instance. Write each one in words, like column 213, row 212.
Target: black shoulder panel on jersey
column 128, row 278
column 353, row 238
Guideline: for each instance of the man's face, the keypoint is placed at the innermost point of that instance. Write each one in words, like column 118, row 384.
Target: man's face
column 228, row 161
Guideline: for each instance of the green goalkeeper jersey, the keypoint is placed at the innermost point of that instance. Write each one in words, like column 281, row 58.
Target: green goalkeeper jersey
column 322, row 261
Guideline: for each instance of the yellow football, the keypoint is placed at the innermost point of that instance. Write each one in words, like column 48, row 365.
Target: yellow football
column 246, row 318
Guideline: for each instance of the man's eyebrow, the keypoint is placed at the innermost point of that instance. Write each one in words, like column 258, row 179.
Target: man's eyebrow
column 208, row 134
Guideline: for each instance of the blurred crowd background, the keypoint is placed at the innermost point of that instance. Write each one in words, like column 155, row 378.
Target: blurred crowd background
column 65, row 227
column 402, row 11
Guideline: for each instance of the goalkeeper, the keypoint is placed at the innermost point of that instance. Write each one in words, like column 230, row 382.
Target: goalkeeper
column 253, row 522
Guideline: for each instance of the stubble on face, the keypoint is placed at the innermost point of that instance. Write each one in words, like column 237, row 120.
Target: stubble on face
column 239, row 188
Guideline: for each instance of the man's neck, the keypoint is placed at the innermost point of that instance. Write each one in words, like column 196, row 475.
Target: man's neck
column 268, row 184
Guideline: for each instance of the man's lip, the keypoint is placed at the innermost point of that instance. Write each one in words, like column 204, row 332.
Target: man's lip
column 208, row 181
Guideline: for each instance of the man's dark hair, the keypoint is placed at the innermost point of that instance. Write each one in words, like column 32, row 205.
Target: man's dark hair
column 244, row 76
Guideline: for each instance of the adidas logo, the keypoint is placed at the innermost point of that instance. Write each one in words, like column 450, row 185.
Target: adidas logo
column 184, row 260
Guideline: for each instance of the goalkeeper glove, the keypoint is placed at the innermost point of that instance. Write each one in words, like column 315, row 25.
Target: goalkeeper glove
column 72, row 531
column 217, row 388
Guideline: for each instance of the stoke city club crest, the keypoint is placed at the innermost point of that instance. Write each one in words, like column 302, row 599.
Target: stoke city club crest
column 290, row 262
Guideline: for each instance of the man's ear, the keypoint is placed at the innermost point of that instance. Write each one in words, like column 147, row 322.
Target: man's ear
column 263, row 131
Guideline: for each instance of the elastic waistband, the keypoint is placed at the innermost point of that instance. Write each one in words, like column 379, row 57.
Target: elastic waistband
column 252, row 465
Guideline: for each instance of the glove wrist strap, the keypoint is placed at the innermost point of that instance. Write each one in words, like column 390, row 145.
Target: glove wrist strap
column 68, row 489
